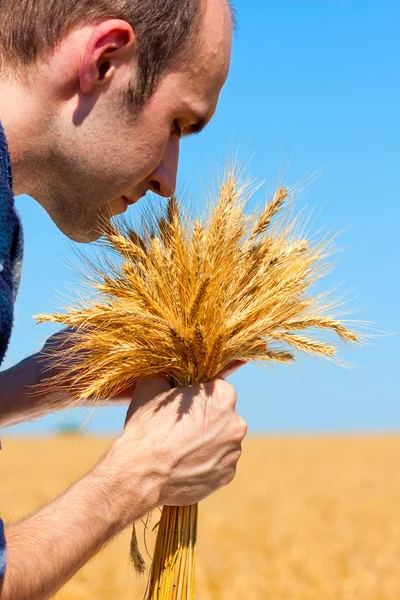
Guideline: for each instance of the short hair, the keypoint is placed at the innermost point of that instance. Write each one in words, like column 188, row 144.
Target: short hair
column 165, row 29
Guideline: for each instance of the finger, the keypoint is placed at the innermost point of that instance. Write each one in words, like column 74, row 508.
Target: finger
column 152, row 387
column 148, row 390
column 231, row 368
column 124, row 397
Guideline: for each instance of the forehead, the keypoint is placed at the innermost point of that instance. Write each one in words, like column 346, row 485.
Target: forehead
column 215, row 36
column 194, row 83
column 204, row 72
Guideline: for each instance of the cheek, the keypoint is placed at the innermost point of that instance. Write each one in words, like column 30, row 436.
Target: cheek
column 127, row 163
column 147, row 152
column 124, row 155
column 148, row 139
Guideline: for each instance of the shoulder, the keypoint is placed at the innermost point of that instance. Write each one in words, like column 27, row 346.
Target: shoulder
column 8, row 221
column 10, row 247
column 3, row 550
column 5, row 162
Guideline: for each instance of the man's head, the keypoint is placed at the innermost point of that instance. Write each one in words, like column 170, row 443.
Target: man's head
column 95, row 95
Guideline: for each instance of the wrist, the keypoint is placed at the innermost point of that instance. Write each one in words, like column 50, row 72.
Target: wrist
column 131, row 484
column 18, row 399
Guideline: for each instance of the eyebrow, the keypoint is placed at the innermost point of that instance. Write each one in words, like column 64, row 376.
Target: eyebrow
column 234, row 15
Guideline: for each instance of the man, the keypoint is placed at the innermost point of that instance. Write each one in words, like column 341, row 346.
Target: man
column 94, row 98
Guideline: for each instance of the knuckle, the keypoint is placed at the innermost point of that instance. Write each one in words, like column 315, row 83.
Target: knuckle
column 235, row 457
column 239, row 454
column 221, row 393
column 226, row 392
column 229, row 477
column 241, row 428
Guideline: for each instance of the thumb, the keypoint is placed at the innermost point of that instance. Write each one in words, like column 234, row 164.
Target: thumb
column 231, row 368
column 147, row 390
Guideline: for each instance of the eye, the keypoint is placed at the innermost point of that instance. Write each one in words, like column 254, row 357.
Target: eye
column 177, row 128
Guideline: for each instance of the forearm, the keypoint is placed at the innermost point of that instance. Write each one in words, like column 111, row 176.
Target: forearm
column 18, row 401
column 48, row 548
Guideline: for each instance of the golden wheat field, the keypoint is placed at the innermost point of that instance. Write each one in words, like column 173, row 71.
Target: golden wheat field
column 307, row 518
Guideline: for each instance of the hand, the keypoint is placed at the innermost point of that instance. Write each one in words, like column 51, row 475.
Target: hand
column 47, row 369
column 126, row 395
column 185, row 443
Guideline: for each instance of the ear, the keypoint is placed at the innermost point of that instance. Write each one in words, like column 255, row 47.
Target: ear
column 111, row 44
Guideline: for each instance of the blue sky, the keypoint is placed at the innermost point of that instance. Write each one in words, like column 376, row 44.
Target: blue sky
column 314, row 84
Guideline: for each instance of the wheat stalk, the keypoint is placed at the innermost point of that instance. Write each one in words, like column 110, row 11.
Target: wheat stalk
column 184, row 299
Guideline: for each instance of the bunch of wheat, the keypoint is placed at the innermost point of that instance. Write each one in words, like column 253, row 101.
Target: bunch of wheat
column 184, row 299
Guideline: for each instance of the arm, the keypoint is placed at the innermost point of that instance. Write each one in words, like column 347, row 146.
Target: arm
column 17, row 402
column 47, row 549
column 178, row 447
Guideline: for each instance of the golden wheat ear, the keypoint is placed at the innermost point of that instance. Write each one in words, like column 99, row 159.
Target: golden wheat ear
column 184, row 299
column 135, row 555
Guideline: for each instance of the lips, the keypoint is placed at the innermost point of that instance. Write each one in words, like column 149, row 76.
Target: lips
column 129, row 201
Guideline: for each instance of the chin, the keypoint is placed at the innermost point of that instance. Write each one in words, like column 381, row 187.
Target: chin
column 81, row 221
column 85, row 237
column 77, row 232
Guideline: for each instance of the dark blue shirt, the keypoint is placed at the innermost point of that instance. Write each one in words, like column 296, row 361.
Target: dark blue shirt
column 10, row 271
column 10, row 248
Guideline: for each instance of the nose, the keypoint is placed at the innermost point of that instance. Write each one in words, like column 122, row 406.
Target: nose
column 162, row 180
